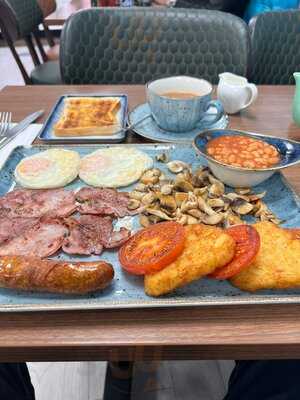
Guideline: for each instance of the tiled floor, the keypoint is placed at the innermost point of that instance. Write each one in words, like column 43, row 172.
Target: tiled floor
column 170, row 380
column 68, row 381
column 178, row 380
column 10, row 74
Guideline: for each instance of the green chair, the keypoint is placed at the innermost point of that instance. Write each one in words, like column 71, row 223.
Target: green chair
column 133, row 46
column 20, row 20
column 275, row 38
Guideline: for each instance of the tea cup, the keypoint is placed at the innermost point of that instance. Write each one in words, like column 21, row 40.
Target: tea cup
column 187, row 108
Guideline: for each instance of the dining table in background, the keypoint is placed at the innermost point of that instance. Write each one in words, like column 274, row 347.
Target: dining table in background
column 62, row 13
column 207, row 332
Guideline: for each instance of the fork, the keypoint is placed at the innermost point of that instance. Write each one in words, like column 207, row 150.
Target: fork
column 5, row 121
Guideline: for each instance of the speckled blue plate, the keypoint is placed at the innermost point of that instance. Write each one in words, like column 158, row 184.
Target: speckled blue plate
column 47, row 134
column 150, row 130
column 127, row 291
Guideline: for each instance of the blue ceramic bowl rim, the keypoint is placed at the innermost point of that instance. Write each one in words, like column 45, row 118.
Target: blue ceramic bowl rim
column 250, row 134
column 178, row 76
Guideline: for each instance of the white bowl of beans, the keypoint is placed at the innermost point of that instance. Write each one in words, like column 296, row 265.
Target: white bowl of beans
column 241, row 159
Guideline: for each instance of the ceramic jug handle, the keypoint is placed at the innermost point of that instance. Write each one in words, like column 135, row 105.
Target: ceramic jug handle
column 252, row 89
column 220, row 111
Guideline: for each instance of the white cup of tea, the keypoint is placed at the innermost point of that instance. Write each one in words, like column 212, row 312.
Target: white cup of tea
column 180, row 103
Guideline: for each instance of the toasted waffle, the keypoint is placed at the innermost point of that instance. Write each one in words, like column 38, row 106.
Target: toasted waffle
column 89, row 116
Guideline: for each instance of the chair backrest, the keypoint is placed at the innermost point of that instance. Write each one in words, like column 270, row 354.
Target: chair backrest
column 111, row 45
column 24, row 16
column 19, row 19
column 275, row 38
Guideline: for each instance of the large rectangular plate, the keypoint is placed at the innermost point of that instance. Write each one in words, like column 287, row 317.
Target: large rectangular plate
column 47, row 134
column 127, row 291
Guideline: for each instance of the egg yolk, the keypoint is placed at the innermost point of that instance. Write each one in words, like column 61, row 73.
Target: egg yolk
column 94, row 164
column 34, row 166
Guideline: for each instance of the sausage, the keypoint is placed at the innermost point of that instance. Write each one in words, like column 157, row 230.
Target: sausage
column 33, row 273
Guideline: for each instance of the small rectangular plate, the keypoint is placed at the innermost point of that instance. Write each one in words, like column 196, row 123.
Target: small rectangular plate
column 47, row 134
column 127, row 291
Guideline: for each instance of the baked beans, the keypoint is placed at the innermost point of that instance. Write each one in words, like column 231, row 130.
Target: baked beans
column 243, row 151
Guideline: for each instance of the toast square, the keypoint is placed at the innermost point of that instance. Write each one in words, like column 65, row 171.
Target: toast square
column 89, row 116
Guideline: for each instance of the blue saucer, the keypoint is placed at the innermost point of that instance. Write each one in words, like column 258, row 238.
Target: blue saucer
column 150, row 130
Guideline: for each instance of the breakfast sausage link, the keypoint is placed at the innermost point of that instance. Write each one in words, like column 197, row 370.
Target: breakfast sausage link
column 32, row 273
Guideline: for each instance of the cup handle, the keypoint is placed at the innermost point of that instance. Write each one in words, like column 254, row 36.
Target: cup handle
column 220, row 111
column 252, row 89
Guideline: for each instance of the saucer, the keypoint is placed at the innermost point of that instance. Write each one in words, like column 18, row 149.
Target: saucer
column 150, row 130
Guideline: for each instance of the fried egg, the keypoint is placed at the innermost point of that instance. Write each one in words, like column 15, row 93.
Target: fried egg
column 114, row 166
column 48, row 169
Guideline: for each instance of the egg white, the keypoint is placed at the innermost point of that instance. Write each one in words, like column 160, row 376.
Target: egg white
column 114, row 167
column 52, row 168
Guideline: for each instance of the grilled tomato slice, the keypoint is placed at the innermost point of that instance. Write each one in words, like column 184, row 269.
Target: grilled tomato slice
column 153, row 248
column 247, row 246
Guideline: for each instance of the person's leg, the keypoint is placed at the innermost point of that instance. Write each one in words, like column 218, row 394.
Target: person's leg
column 15, row 383
column 118, row 381
column 265, row 380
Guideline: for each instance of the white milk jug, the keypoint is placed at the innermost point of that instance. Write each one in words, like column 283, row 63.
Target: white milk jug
column 235, row 92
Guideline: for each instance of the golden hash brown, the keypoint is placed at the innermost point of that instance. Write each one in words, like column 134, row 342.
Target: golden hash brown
column 85, row 116
column 277, row 264
column 206, row 249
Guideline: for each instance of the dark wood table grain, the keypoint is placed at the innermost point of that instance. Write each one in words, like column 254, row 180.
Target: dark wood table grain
column 235, row 332
column 62, row 13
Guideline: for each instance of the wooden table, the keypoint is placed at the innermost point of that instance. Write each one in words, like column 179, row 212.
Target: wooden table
column 61, row 14
column 236, row 332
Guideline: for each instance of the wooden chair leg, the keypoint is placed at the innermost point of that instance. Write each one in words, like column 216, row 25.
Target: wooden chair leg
column 16, row 56
column 48, row 35
column 40, row 47
column 32, row 51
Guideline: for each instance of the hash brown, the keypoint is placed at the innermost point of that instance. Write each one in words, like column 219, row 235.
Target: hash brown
column 206, row 249
column 89, row 116
column 277, row 264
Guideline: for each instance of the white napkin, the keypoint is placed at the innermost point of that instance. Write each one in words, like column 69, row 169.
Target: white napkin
column 24, row 138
